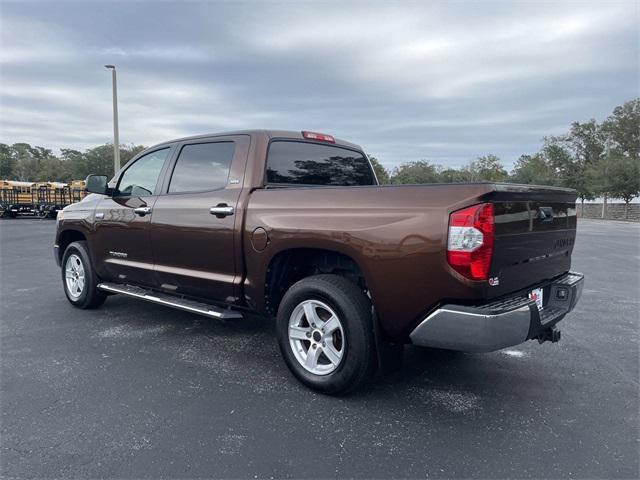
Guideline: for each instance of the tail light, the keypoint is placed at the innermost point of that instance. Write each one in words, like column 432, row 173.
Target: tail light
column 470, row 242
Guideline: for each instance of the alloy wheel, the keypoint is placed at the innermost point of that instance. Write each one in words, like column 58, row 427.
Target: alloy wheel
column 74, row 276
column 316, row 337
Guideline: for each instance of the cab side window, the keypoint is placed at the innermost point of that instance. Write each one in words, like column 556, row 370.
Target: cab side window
column 201, row 167
column 139, row 180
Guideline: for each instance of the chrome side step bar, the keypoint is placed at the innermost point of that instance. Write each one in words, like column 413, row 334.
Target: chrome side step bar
column 171, row 301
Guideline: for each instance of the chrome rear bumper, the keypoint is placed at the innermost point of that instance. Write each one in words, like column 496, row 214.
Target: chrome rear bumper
column 499, row 324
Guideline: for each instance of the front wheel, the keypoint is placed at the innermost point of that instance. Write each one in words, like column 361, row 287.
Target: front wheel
column 79, row 279
column 325, row 333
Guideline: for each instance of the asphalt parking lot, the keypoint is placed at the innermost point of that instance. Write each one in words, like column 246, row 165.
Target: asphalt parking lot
column 134, row 390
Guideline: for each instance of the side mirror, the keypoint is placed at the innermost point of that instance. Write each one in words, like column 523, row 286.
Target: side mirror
column 96, row 184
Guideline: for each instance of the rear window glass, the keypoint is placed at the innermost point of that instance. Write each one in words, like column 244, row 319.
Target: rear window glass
column 202, row 166
column 312, row 164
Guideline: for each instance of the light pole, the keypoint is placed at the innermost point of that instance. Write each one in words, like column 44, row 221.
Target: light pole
column 116, row 136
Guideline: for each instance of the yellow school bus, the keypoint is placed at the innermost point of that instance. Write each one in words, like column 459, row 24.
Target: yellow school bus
column 16, row 197
column 42, row 199
column 49, row 197
column 76, row 187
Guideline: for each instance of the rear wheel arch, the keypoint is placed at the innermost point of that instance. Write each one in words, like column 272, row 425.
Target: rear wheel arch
column 292, row 265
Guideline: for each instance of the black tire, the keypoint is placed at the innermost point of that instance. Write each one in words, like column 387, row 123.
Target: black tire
column 358, row 361
column 90, row 297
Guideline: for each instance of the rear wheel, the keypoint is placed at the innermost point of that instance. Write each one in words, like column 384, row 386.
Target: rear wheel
column 79, row 279
column 325, row 333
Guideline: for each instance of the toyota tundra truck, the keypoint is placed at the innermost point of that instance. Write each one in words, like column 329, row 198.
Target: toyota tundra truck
column 294, row 225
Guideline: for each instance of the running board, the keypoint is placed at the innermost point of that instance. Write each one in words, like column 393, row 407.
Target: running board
column 171, row 301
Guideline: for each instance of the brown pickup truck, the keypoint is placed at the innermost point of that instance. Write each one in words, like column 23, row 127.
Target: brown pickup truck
column 294, row 225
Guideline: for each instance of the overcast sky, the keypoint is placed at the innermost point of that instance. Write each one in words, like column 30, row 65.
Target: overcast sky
column 443, row 81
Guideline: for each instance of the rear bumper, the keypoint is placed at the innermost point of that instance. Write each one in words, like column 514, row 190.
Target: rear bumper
column 499, row 324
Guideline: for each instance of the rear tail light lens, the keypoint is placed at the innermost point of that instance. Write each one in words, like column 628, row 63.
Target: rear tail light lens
column 470, row 241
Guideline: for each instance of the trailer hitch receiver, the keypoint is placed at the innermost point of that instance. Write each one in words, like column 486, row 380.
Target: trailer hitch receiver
column 549, row 335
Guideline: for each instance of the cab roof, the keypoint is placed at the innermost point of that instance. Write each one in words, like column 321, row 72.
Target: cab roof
column 286, row 134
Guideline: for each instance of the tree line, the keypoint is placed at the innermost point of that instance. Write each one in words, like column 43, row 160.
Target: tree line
column 597, row 159
column 21, row 161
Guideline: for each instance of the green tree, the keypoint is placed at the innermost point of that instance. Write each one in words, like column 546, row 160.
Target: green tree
column 70, row 155
column 99, row 160
column 421, row 171
column 533, row 169
column 381, row 172
column 576, row 156
column 618, row 176
column 570, row 170
column 622, row 129
column 54, row 169
column 587, row 142
column 8, row 162
column 487, row 168
column 26, row 162
column 127, row 152
column 451, row 175
column 624, row 173
column 22, row 161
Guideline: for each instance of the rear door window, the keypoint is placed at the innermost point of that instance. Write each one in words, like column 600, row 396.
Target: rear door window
column 201, row 167
column 303, row 163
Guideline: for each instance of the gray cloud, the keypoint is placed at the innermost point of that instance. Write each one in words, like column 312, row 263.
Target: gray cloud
column 444, row 81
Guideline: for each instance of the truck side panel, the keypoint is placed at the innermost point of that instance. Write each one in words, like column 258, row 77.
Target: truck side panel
column 395, row 234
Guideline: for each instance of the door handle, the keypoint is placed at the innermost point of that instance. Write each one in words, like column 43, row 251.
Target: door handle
column 142, row 211
column 221, row 210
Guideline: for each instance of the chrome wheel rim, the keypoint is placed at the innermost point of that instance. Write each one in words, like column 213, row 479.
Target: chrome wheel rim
column 74, row 276
column 316, row 337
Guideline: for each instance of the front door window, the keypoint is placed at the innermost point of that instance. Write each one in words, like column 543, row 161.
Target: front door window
column 140, row 179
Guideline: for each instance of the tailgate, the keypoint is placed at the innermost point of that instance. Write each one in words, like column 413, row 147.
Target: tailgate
column 535, row 228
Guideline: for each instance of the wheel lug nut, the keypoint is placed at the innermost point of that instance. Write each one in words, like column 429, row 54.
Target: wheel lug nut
column 314, row 346
column 308, row 334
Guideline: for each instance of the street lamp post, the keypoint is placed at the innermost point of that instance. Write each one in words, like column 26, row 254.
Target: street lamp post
column 116, row 135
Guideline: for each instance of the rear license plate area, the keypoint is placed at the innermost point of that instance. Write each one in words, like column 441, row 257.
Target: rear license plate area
column 537, row 296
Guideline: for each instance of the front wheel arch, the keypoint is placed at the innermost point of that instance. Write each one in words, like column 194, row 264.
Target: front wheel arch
column 66, row 238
